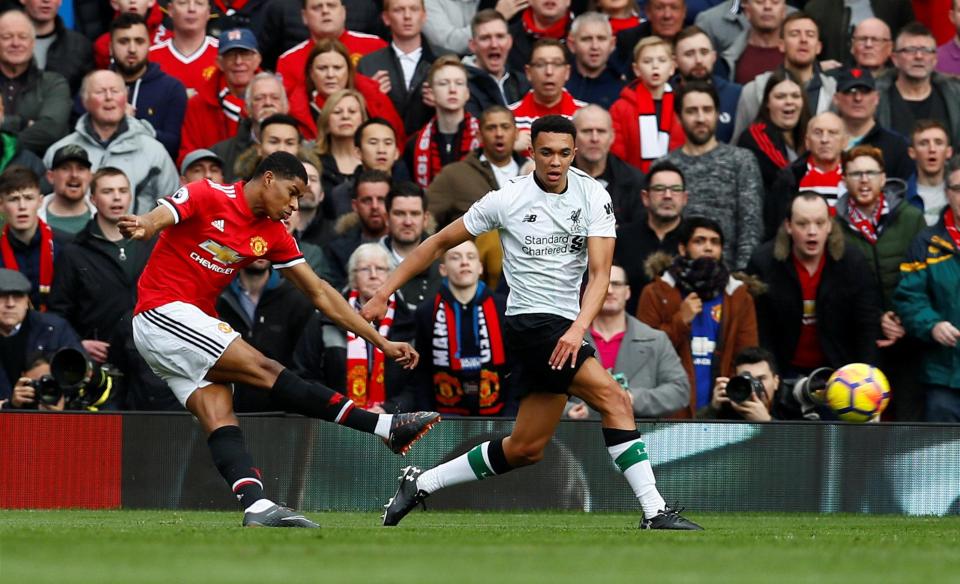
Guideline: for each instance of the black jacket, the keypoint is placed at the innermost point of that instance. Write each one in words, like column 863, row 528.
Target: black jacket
column 46, row 333
column 321, row 355
column 409, row 104
column 92, row 288
column 28, row 261
column 896, row 159
column 250, row 15
column 230, row 149
column 523, row 41
column 848, row 307
column 485, row 92
column 778, row 196
column 833, row 19
column 279, row 319
column 70, row 55
column 635, row 243
column 623, row 181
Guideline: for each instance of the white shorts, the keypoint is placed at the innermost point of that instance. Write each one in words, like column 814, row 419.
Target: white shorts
column 181, row 343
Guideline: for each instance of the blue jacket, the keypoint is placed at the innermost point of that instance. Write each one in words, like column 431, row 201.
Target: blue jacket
column 46, row 333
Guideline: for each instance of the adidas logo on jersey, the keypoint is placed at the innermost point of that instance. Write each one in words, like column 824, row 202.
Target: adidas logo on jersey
column 217, row 224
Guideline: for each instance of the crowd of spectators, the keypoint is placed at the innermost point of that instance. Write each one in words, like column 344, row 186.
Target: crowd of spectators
column 781, row 172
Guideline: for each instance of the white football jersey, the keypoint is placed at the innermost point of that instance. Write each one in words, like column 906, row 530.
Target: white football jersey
column 544, row 238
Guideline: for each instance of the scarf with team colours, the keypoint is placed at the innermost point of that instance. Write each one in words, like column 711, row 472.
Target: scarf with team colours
column 46, row 258
column 426, row 154
column 232, row 107
column 869, row 226
column 365, row 384
column 557, row 30
column 654, row 133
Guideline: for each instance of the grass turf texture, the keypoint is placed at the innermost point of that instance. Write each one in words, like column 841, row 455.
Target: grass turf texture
column 168, row 546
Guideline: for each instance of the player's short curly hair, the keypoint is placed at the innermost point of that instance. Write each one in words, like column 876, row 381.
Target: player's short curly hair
column 283, row 165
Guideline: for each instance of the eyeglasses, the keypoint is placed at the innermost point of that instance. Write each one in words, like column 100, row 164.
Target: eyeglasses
column 912, row 51
column 862, row 174
column 954, row 188
column 539, row 65
column 661, row 189
column 617, row 284
column 371, row 270
column 869, row 40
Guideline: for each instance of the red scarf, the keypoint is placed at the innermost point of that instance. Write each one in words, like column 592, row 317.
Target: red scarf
column 365, row 384
column 232, row 9
column 868, row 225
column 316, row 102
column 46, row 258
column 759, row 132
column 454, row 373
column 233, row 108
column 950, row 222
column 621, row 24
column 654, row 132
column 557, row 30
column 426, row 154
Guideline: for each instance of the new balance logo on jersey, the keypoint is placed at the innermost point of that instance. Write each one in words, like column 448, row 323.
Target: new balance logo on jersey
column 608, row 208
column 529, row 219
column 217, row 224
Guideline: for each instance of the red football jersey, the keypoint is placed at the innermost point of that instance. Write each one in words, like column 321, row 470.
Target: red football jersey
column 191, row 70
column 215, row 235
column 528, row 110
column 292, row 64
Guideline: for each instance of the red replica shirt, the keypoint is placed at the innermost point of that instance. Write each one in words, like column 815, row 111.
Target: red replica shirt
column 215, row 235
column 529, row 110
column 190, row 70
column 809, row 354
column 291, row 65
column 829, row 184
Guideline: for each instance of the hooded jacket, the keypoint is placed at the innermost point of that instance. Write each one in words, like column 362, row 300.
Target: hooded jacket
column 161, row 100
column 659, row 307
column 134, row 150
column 847, row 311
column 626, row 130
column 896, row 231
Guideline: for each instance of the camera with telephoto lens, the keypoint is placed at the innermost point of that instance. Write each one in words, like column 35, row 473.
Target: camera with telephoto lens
column 82, row 383
column 741, row 386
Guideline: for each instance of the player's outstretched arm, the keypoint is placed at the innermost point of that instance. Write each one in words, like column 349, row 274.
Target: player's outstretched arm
column 146, row 226
column 332, row 304
column 599, row 258
column 415, row 263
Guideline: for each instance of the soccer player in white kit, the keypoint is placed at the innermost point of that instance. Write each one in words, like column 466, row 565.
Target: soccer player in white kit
column 209, row 231
column 553, row 223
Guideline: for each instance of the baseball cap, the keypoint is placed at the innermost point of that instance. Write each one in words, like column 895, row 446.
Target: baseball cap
column 237, row 38
column 71, row 152
column 13, row 281
column 855, row 77
column 197, row 156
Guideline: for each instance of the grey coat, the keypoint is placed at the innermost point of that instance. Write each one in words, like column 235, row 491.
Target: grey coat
column 655, row 376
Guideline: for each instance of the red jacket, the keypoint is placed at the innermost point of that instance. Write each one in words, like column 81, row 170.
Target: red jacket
column 626, row 113
column 205, row 123
column 378, row 106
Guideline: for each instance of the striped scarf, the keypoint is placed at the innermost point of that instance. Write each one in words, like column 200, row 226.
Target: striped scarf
column 46, row 258
column 426, row 155
column 868, row 226
column 654, row 131
column 233, row 107
column 365, row 372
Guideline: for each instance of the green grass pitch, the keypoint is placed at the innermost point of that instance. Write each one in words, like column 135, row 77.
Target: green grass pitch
column 459, row 548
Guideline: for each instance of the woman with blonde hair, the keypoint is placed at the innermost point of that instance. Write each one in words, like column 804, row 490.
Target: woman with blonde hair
column 341, row 115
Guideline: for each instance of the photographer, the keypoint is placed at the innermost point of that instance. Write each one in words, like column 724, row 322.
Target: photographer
column 749, row 395
column 25, row 332
column 32, row 381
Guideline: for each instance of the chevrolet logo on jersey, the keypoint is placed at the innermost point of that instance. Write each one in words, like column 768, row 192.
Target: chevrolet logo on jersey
column 221, row 253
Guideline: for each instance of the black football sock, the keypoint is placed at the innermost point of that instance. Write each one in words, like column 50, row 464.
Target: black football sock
column 235, row 464
column 299, row 396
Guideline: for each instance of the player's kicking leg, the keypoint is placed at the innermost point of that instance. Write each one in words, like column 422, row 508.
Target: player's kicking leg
column 241, row 363
column 213, row 407
column 536, row 422
column 625, row 444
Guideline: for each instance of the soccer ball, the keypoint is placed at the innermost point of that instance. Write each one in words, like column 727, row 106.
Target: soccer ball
column 857, row 392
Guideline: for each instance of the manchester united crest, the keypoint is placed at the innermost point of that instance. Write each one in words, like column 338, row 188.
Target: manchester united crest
column 258, row 245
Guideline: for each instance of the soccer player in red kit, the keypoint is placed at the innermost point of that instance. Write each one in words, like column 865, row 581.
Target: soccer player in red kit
column 208, row 232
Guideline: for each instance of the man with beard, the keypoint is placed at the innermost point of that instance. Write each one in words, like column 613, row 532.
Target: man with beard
column 154, row 96
column 707, row 313
column 67, row 208
column 407, row 219
column 695, row 56
column 723, row 181
column 594, row 139
column 489, row 79
column 367, row 224
column 656, row 230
